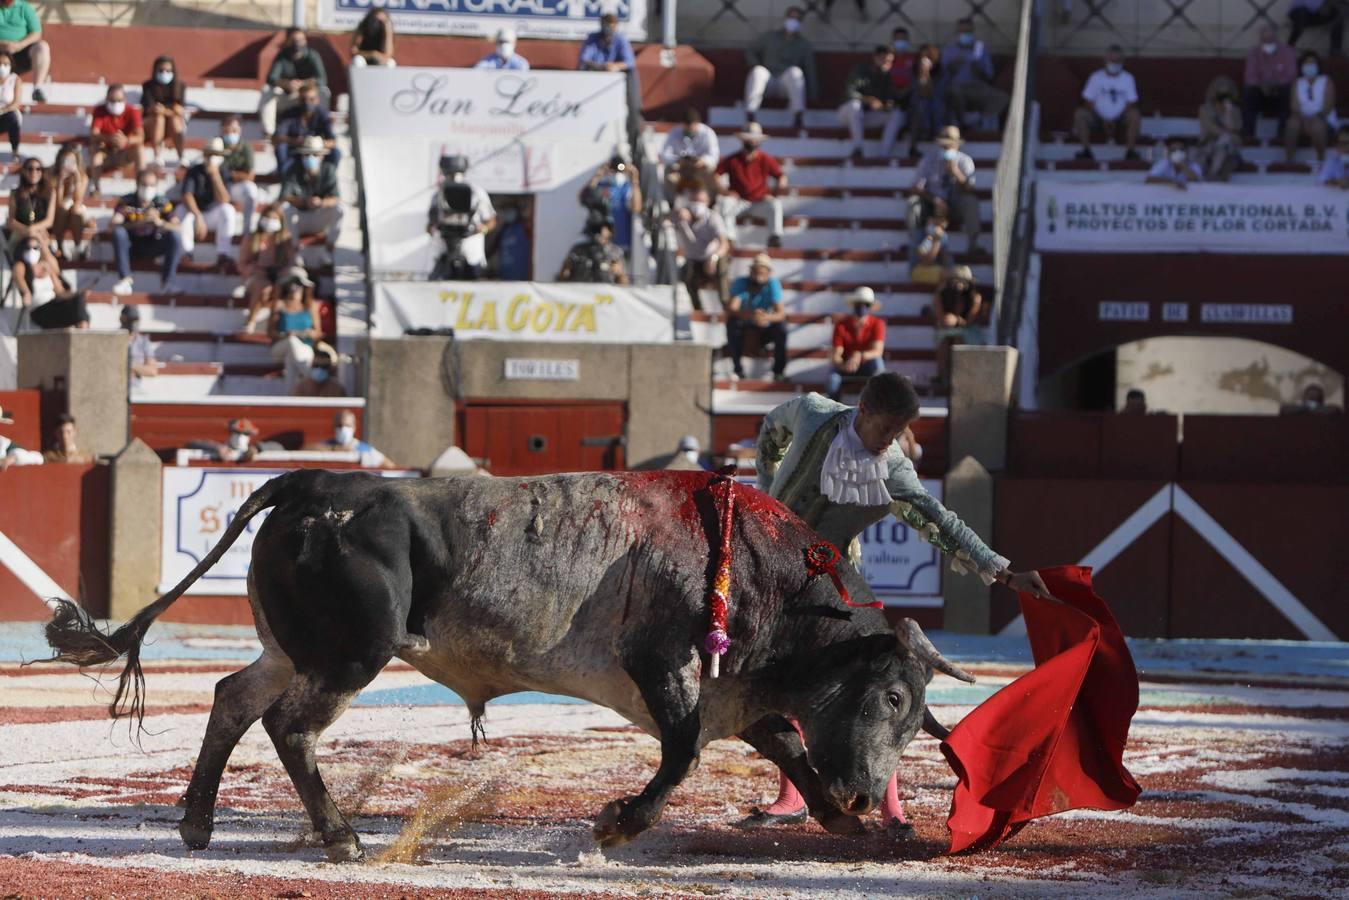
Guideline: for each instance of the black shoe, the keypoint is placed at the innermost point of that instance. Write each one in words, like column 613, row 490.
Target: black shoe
column 775, row 240
column 758, row 818
column 900, row 832
column 856, row 154
column 1131, row 153
column 799, row 121
column 751, row 116
column 38, row 96
column 1085, row 153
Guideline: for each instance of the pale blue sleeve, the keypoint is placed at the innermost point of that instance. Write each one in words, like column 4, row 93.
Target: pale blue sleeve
column 951, row 534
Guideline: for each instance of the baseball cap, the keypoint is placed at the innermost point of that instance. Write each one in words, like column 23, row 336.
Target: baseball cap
column 243, row 426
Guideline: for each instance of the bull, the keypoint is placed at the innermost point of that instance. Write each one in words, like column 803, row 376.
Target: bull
column 589, row 585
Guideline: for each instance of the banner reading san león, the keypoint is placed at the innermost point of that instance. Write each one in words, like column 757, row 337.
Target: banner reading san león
column 1118, row 217
column 558, row 19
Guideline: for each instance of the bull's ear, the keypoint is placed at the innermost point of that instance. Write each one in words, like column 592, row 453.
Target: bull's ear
column 913, row 639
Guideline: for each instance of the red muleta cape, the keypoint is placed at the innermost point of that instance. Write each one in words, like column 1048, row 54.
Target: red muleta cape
column 1052, row 740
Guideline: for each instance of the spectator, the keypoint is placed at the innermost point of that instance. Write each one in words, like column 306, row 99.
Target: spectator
column 687, row 456
column 930, row 254
column 1219, row 150
column 690, row 156
column 295, row 65
column 956, row 306
column 164, row 109
column 11, row 99
column 116, row 135
column 1271, row 68
column 11, row 454
column 747, row 172
column 239, row 164
column 207, row 207
column 294, row 328
column 140, row 351
column 859, row 343
column 1313, row 108
column 30, row 264
column 142, row 227
column 1335, row 170
column 71, row 185
column 606, row 50
column 344, row 441
column 32, row 210
column 61, row 310
column 613, row 194
column 701, row 234
column 512, row 243
column 945, row 182
column 1111, row 96
column 21, row 38
column 784, row 62
column 756, row 306
column 305, row 120
column 266, row 257
column 1176, row 168
column 869, row 89
column 1306, row 14
column 1135, row 403
column 238, row 447
column 927, row 103
column 968, row 69
column 372, row 40
column 462, row 214
column 595, row 260
column 66, row 447
column 901, row 70
column 1313, row 403
column 323, row 378
column 309, row 194
column 504, row 57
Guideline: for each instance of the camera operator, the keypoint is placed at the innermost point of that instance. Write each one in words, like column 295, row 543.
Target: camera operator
column 461, row 214
column 612, row 193
column 596, row 260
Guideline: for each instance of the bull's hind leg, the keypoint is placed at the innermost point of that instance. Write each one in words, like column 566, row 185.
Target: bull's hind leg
column 240, row 700
column 670, row 690
column 295, row 721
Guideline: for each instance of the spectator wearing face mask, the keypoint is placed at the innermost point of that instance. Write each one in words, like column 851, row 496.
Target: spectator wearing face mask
column 31, row 266
column 32, row 211
column 344, row 440
column 1135, row 403
column 207, row 207
column 747, row 172
column 701, row 234
column 1111, row 106
column 323, row 378
column 296, row 65
column 142, row 226
column 1304, row 14
column 116, row 135
column 901, row 69
column 1335, row 170
column 11, row 99
column 869, row 89
column 71, row 184
column 21, row 38
column 690, row 156
column 294, row 328
column 956, row 306
column 504, row 56
column 607, row 50
column 927, row 100
column 1313, row 403
column 1219, row 150
column 309, row 193
column 755, row 305
column 307, row 119
column 267, row 256
column 1271, row 69
column 512, row 244
column 140, row 351
column 238, row 162
column 968, row 69
column 611, row 193
column 781, row 61
column 163, row 108
column 859, row 343
column 66, row 444
column 1176, row 168
column 238, row 446
column 945, row 181
column 1313, row 110
column 596, row 260
column 687, row 456
column 930, row 253
column 372, row 40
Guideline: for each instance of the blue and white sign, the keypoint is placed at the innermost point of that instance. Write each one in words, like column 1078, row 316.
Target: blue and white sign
column 566, row 20
column 902, row 569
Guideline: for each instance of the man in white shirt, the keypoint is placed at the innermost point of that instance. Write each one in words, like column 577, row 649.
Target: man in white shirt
column 1176, row 168
column 1111, row 97
column 690, row 156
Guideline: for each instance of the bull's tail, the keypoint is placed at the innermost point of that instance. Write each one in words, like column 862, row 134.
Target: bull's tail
column 75, row 638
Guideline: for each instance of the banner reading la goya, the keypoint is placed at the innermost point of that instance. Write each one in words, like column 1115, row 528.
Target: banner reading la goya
column 524, row 310
column 557, row 19
column 1119, row 217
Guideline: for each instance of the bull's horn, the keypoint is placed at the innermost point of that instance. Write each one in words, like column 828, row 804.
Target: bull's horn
column 933, row 727
column 912, row 637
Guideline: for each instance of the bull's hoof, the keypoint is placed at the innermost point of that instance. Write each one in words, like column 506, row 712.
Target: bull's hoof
column 196, row 837
column 836, row 822
column 342, row 849
column 618, row 823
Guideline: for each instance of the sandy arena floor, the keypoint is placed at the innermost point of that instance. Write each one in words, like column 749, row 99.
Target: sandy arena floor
column 1242, row 750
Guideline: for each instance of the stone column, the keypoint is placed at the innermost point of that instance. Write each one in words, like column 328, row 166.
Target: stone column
column 91, row 368
column 135, row 513
column 669, row 396
column 969, row 494
column 410, row 412
column 982, row 379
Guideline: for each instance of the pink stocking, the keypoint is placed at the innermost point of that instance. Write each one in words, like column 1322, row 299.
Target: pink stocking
column 789, row 798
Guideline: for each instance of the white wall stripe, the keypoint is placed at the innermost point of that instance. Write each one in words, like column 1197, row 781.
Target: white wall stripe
column 1250, row 568
column 28, row 572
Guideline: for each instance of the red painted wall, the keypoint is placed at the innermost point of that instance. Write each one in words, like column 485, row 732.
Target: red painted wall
column 25, row 408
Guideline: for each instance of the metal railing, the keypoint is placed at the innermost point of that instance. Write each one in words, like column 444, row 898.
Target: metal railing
column 1013, row 181
column 1163, row 27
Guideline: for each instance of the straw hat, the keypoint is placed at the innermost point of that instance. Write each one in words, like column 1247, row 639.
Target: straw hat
column 762, row 260
column 964, row 273
column 313, row 145
column 949, row 137
column 863, row 295
column 753, row 134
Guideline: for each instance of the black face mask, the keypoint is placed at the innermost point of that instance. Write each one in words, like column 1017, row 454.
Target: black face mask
column 298, row 50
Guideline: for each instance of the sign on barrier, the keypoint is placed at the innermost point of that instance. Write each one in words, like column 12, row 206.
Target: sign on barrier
column 525, row 310
column 1119, row 217
column 557, row 19
column 902, row 569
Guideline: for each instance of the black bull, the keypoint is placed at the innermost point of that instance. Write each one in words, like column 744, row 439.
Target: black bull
column 589, row 585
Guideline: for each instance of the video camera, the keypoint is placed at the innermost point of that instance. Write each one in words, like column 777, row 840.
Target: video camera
column 453, row 219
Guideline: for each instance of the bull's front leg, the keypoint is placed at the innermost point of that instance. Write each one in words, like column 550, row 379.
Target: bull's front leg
column 780, row 743
column 670, row 691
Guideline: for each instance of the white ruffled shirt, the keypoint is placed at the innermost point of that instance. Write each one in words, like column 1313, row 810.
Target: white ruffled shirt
column 851, row 472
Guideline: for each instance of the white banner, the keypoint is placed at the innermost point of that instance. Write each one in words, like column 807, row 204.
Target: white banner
column 198, row 505
column 1117, row 217
column 540, row 133
column 526, row 311
column 902, row 569
column 556, row 19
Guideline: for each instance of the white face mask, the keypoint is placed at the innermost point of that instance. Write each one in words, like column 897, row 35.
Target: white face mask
column 164, row 77
column 5, row 70
column 620, row 178
column 146, row 193
column 69, row 164
column 791, row 25
column 1313, row 403
column 32, row 255
column 1177, row 157
column 1269, row 48
column 238, row 441
column 312, row 163
column 1114, row 68
column 269, row 225
column 505, row 49
column 344, row 434
column 116, row 107
column 230, row 138
column 698, row 209
column 1310, row 69
column 950, row 153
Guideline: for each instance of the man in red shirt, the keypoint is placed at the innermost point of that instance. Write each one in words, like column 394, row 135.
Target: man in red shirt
column 747, row 172
column 859, row 342
column 901, row 70
column 115, row 135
